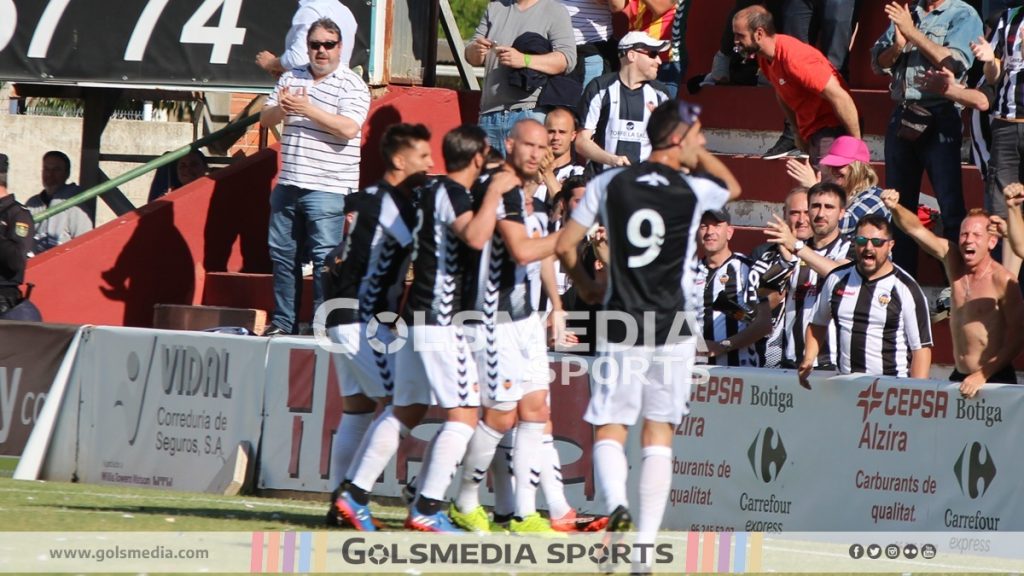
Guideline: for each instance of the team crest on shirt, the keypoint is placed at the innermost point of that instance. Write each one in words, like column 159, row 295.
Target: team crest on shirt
column 507, row 385
column 724, row 278
column 884, row 299
column 20, row 229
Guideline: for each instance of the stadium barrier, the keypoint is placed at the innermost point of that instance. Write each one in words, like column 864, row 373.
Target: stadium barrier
column 758, row 453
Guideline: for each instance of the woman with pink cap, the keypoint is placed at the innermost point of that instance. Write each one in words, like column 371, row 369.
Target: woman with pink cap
column 848, row 163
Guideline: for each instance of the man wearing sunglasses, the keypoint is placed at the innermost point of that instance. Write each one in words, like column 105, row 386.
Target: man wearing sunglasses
column 986, row 300
column 879, row 310
column 616, row 106
column 295, row 55
column 812, row 94
column 323, row 106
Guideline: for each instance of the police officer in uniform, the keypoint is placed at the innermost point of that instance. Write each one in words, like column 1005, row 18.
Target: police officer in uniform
column 16, row 233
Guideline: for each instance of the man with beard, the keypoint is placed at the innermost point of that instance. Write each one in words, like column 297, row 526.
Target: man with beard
column 827, row 251
column 880, row 311
column 986, row 299
column 559, row 163
column 369, row 268
column 812, row 94
column 323, row 106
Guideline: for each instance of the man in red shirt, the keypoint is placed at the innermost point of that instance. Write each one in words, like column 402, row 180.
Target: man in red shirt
column 811, row 92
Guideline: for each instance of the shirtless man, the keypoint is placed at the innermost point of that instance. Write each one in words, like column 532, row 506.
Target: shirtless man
column 986, row 298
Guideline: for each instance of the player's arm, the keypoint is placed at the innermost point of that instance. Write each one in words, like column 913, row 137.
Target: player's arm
column 910, row 224
column 521, row 247
column 815, row 334
column 842, row 103
column 476, row 229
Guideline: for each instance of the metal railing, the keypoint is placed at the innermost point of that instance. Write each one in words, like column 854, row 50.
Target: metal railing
column 134, row 173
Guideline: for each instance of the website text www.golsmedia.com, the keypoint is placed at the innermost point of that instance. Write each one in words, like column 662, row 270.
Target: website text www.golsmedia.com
column 158, row 552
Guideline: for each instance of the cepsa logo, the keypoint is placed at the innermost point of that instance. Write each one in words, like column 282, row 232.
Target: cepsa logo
column 894, row 401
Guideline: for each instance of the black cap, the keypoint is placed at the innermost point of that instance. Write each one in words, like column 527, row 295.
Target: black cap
column 719, row 215
column 3, row 163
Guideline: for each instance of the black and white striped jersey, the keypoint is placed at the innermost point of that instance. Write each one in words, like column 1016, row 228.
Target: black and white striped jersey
column 1006, row 44
column 651, row 213
column 733, row 279
column 880, row 322
column 617, row 116
column 804, row 286
column 499, row 283
column 370, row 264
column 438, row 253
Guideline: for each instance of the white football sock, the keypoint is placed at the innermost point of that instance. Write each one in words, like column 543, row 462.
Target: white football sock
column 611, row 470
column 551, row 479
column 347, row 438
column 479, row 455
column 526, row 465
column 449, row 448
column 383, row 438
column 501, row 472
column 655, row 484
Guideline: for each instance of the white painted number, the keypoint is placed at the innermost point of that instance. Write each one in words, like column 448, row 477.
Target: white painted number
column 222, row 37
column 651, row 241
column 41, row 38
column 8, row 21
column 143, row 30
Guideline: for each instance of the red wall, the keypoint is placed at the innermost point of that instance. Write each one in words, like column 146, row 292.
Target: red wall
column 160, row 253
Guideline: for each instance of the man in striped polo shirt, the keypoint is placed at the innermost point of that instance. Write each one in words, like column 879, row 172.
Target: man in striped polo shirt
column 880, row 311
column 323, row 106
column 726, row 274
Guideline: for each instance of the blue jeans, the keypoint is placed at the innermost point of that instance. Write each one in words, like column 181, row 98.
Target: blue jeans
column 937, row 152
column 497, row 125
column 302, row 223
column 593, row 66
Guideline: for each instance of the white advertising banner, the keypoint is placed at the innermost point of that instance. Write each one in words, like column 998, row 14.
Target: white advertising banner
column 166, row 409
column 761, row 453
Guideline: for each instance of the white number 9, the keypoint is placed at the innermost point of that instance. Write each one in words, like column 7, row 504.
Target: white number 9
column 652, row 241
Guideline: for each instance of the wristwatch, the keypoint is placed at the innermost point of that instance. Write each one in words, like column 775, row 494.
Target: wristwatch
column 727, row 344
column 798, row 246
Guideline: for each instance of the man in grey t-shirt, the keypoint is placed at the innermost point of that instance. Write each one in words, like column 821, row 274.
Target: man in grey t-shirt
column 502, row 104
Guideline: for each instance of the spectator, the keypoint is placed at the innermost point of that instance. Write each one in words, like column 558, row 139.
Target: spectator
column 595, row 48
column 880, row 311
column 774, row 270
column 187, row 169
column 732, row 66
column 729, row 312
column 323, row 106
column 616, row 106
column 828, row 250
column 295, row 54
column 654, row 18
column 848, row 163
column 925, row 130
column 63, row 226
column 825, row 24
column 561, row 161
column 812, row 94
column 986, row 299
column 15, row 243
column 502, row 104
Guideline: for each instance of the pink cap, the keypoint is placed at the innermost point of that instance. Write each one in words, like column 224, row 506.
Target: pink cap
column 846, row 149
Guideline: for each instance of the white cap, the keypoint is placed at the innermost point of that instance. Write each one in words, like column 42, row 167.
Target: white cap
column 637, row 39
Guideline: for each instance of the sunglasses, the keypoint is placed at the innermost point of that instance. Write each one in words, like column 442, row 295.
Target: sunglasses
column 876, row 242
column 329, row 44
column 650, row 53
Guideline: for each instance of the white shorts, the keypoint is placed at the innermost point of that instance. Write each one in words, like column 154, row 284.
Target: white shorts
column 360, row 368
column 512, row 359
column 629, row 382
column 436, row 360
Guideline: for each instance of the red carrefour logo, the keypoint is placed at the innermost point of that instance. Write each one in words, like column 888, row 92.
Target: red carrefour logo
column 925, row 403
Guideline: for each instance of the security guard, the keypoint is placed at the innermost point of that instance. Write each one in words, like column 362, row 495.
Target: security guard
column 16, row 233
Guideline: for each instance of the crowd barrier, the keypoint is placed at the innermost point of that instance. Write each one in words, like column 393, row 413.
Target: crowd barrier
column 757, row 452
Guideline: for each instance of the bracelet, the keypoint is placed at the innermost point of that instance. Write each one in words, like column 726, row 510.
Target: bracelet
column 526, row 60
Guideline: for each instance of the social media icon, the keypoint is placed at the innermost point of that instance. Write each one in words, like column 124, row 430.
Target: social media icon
column 874, row 551
column 856, row 551
column 892, row 551
column 928, row 551
column 910, row 551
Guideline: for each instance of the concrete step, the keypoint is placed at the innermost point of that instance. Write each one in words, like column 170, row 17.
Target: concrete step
column 256, row 291
column 181, row 317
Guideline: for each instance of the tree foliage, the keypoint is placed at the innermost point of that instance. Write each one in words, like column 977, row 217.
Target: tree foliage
column 467, row 14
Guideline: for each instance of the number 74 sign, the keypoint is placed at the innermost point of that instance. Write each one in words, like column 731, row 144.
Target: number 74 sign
column 191, row 43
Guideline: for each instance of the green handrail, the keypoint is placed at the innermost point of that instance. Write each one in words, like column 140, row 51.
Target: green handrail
column 164, row 160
